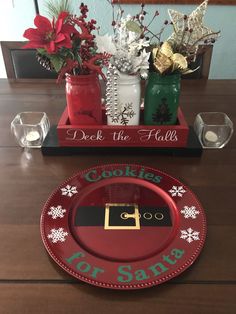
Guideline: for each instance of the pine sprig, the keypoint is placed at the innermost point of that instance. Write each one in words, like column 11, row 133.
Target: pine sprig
column 55, row 7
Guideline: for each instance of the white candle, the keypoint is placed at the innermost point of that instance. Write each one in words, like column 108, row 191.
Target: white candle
column 211, row 136
column 32, row 136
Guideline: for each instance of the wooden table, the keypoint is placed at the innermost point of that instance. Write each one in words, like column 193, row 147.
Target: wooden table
column 30, row 282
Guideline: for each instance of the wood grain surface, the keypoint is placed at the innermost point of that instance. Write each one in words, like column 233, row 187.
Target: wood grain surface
column 30, row 282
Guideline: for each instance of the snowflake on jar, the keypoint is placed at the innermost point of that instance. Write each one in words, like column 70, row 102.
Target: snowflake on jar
column 177, row 190
column 56, row 212
column 125, row 115
column 189, row 235
column 69, row 190
column 57, row 235
column 190, row 212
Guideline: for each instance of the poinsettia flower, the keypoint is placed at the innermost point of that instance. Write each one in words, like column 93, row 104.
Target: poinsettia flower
column 50, row 36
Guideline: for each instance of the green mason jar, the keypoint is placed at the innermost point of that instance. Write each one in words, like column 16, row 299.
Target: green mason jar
column 161, row 99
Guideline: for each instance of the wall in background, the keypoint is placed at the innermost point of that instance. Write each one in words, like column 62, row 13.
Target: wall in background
column 14, row 19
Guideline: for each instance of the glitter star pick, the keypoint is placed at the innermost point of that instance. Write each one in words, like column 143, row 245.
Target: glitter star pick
column 189, row 31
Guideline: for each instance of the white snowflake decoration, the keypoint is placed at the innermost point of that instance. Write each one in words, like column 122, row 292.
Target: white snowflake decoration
column 190, row 212
column 57, row 235
column 56, row 212
column 177, row 191
column 126, row 44
column 105, row 44
column 189, row 235
column 69, row 190
column 141, row 64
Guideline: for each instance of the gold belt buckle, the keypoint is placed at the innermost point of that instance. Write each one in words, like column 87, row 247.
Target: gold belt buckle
column 135, row 216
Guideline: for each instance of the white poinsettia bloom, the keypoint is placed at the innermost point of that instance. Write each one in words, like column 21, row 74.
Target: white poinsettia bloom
column 129, row 17
column 131, row 38
column 105, row 44
column 141, row 63
column 130, row 47
column 136, row 46
column 144, row 43
column 124, row 20
column 144, row 74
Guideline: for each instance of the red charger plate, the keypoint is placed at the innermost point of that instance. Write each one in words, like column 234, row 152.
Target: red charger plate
column 123, row 226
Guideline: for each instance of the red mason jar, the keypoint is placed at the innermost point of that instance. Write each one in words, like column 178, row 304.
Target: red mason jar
column 83, row 96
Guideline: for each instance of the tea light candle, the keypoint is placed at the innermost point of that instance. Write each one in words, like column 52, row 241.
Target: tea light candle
column 211, row 136
column 32, row 136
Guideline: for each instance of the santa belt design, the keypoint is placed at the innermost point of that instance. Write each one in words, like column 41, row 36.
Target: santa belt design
column 122, row 216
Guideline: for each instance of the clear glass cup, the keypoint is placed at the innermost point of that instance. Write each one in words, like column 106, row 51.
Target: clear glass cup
column 30, row 128
column 214, row 129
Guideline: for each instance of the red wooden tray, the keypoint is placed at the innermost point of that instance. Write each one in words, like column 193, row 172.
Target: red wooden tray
column 122, row 136
column 123, row 226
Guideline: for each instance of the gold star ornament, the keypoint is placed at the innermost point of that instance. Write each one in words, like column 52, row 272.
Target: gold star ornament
column 189, row 31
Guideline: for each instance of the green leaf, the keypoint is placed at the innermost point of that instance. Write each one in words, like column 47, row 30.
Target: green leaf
column 133, row 27
column 79, row 59
column 69, row 54
column 76, row 43
column 57, row 62
column 42, row 51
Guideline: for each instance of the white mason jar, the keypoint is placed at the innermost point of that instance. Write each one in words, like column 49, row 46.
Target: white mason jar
column 125, row 100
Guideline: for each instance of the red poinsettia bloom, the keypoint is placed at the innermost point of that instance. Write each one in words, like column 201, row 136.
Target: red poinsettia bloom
column 50, row 36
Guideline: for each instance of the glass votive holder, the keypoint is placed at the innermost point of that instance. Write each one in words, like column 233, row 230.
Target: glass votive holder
column 214, row 129
column 30, row 128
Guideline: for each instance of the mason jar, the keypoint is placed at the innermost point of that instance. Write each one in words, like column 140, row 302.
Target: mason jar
column 83, row 97
column 127, row 108
column 161, row 99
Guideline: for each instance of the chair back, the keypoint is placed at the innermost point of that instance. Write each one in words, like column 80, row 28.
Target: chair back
column 22, row 63
column 203, row 61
